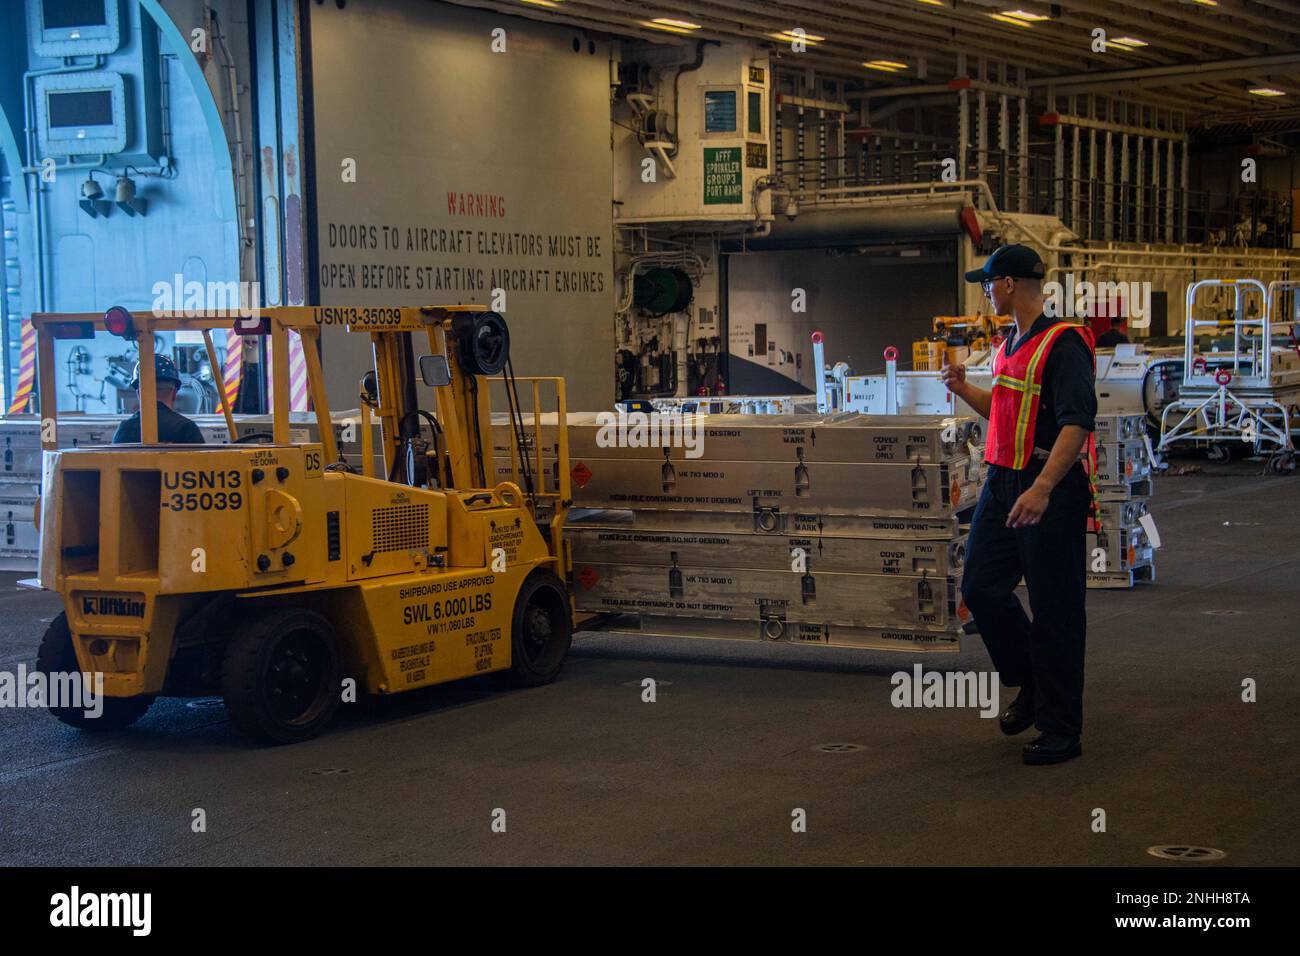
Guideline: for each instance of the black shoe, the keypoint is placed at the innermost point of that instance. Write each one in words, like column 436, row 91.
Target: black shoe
column 1052, row 748
column 1019, row 715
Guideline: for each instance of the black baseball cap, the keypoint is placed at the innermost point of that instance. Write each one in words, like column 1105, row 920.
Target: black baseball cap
column 1013, row 261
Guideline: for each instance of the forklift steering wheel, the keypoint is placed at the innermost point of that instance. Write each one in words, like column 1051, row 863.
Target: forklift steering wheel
column 255, row 438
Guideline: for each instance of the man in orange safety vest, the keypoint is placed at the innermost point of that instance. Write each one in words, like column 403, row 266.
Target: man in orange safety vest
column 1032, row 517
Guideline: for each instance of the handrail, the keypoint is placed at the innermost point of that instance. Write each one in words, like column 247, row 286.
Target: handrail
column 838, row 194
column 1276, row 289
column 1096, row 209
column 563, row 494
column 1261, row 360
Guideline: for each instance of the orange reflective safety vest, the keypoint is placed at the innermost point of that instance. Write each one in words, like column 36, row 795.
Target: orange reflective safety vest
column 1013, row 412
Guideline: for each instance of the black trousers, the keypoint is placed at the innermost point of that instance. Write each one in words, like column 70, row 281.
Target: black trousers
column 1045, row 655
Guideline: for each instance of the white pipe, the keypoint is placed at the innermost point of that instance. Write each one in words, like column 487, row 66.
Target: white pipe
column 930, row 188
column 819, row 371
column 891, row 381
column 1171, row 268
column 681, row 329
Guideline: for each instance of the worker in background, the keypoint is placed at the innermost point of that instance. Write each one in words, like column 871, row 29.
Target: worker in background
column 1032, row 516
column 173, row 427
column 1112, row 337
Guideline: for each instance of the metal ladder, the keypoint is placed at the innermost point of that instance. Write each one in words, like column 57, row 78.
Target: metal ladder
column 1227, row 414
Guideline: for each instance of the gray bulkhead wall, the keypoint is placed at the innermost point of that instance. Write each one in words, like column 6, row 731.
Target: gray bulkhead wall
column 474, row 169
column 861, row 303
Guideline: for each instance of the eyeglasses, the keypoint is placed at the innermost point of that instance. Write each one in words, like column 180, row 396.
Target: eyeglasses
column 987, row 284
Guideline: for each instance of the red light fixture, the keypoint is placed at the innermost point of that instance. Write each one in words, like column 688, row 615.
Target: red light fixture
column 253, row 325
column 118, row 321
column 970, row 223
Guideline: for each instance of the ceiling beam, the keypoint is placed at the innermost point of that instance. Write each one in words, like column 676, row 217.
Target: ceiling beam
column 1177, row 21
column 1162, row 75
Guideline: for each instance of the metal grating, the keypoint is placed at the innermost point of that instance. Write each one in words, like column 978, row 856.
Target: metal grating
column 333, row 535
column 399, row 528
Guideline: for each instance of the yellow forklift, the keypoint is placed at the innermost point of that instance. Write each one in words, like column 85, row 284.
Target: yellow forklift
column 284, row 577
column 954, row 333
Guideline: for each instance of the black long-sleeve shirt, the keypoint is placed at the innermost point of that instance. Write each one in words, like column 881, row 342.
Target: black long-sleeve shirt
column 1069, row 395
column 173, row 428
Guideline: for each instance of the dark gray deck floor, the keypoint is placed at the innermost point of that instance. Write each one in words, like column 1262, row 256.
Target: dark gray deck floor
column 587, row 773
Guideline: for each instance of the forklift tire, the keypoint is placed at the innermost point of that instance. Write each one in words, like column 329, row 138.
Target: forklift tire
column 282, row 676
column 57, row 656
column 541, row 630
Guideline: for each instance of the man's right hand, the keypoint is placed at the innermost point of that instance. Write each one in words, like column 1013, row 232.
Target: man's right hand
column 954, row 376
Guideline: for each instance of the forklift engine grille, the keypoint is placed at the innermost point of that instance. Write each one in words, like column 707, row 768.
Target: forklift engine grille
column 400, row 528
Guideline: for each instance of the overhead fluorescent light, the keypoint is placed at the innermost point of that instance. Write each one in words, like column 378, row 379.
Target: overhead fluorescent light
column 668, row 23
column 1130, row 42
column 1003, row 18
column 789, row 36
column 933, row 3
column 886, row 66
column 663, row 26
column 1207, row 3
column 1267, row 91
column 1025, row 15
column 542, row 3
